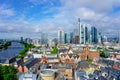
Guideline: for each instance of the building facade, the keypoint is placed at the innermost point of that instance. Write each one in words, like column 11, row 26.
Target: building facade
column 94, row 35
column 82, row 35
column 44, row 38
column 61, row 37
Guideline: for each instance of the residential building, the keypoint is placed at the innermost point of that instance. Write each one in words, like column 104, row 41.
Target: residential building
column 24, row 67
column 28, row 76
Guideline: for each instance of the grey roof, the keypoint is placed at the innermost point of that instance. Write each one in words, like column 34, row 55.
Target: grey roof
column 96, row 72
column 73, row 55
column 63, row 50
column 70, row 55
column 82, row 64
column 62, row 66
column 101, row 78
column 20, row 61
column 80, row 73
column 30, row 63
column 28, row 76
column 92, row 76
column 82, row 78
column 51, row 58
column 12, row 60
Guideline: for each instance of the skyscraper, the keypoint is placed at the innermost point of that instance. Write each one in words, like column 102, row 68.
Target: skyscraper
column 82, row 33
column 94, row 35
column 99, row 38
column 61, row 37
column 44, row 38
column 65, row 38
column 119, row 37
column 71, row 37
column 75, row 32
column 86, row 34
column 21, row 39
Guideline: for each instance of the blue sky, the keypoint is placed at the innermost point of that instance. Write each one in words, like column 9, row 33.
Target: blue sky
column 29, row 18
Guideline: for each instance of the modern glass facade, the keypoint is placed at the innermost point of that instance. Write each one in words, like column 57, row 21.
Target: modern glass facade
column 94, row 35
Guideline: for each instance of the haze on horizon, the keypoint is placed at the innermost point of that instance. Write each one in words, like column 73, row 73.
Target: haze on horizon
column 29, row 18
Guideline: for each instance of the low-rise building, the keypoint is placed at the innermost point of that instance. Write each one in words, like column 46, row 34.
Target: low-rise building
column 27, row 65
column 27, row 76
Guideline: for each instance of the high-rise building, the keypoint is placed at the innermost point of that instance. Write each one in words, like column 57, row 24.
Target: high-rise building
column 21, row 39
column 75, row 32
column 28, row 40
column 66, row 38
column 94, row 35
column 61, row 37
column 76, row 39
column 99, row 38
column 82, row 35
column 119, row 38
column 44, row 38
column 71, row 37
column 86, row 34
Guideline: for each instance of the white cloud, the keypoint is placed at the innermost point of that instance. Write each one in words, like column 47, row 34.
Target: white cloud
column 5, row 11
column 94, row 12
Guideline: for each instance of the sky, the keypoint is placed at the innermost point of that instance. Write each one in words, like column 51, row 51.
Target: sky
column 30, row 18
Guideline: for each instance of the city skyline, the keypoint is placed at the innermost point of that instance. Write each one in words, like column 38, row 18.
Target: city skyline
column 30, row 18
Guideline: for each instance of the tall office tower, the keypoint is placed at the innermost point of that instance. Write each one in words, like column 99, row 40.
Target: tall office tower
column 65, row 38
column 61, row 37
column 21, row 39
column 78, row 25
column 76, row 39
column 105, row 39
column 28, row 40
column 44, row 38
column 119, row 37
column 94, row 35
column 86, row 34
column 99, row 38
column 89, row 37
column 82, row 33
column 75, row 32
column 71, row 37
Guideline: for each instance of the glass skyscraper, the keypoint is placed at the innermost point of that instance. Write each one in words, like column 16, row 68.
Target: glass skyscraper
column 82, row 34
column 61, row 37
column 71, row 37
column 66, row 38
column 94, row 35
column 44, row 38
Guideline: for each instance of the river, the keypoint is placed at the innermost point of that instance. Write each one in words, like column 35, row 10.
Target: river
column 11, row 51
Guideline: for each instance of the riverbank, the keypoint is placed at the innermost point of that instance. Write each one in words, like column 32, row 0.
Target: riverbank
column 11, row 51
column 27, row 47
column 4, row 45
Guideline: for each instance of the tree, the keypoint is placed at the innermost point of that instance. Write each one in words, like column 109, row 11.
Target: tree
column 54, row 50
column 8, row 73
column 102, row 54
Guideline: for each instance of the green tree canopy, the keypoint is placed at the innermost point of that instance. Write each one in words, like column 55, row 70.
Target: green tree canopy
column 8, row 73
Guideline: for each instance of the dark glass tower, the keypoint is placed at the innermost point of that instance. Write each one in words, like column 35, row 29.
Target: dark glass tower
column 86, row 35
column 71, row 37
column 94, row 35
column 65, row 37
